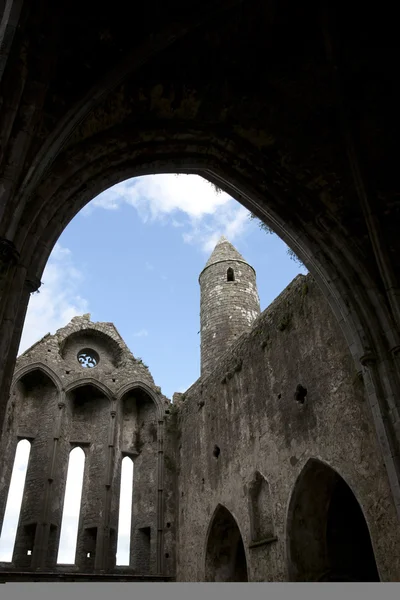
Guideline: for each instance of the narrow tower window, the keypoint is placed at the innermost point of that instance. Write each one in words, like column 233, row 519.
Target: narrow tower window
column 125, row 512
column 14, row 501
column 230, row 275
column 72, row 507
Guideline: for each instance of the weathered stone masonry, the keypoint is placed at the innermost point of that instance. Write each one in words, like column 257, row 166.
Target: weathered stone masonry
column 229, row 302
column 243, row 437
column 110, row 411
column 266, row 469
column 308, row 143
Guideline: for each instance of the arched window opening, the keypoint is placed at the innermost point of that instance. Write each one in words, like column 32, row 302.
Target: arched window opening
column 72, row 507
column 354, row 557
column 125, row 512
column 14, row 501
column 327, row 533
column 230, row 275
column 225, row 554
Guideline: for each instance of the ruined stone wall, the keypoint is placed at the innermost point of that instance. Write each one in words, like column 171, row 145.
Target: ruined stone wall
column 227, row 308
column 235, row 445
column 171, row 486
column 144, row 521
column 243, row 418
column 89, row 428
column 37, row 403
column 110, row 410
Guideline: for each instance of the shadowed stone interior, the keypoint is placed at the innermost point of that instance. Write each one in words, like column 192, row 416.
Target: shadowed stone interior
column 307, row 139
column 225, row 554
column 328, row 536
column 266, row 469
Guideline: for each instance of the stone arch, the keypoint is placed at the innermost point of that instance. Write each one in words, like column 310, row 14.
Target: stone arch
column 62, row 200
column 90, row 381
column 339, row 273
column 87, row 334
column 89, row 424
column 327, row 534
column 36, row 391
column 259, row 127
column 225, row 555
column 322, row 245
column 140, row 385
column 260, row 508
column 140, row 418
column 37, row 366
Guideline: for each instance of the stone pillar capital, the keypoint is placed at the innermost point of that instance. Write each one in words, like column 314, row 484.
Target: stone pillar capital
column 368, row 359
column 32, row 283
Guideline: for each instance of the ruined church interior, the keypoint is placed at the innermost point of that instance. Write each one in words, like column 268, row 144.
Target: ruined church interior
column 282, row 461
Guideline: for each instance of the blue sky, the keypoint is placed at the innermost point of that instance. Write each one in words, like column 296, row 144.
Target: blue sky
column 133, row 256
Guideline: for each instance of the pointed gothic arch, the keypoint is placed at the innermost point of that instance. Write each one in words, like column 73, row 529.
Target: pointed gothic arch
column 90, row 382
column 37, row 366
column 107, row 343
column 327, row 535
column 225, row 555
column 140, row 385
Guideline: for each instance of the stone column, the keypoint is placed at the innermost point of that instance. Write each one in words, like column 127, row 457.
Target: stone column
column 160, row 498
column 40, row 551
column 15, row 290
column 103, row 538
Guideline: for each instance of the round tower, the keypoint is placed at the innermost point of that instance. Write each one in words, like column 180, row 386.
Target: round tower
column 229, row 302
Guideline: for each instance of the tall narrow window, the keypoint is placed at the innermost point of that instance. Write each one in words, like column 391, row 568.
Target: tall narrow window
column 230, row 275
column 125, row 512
column 14, row 501
column 72, row 507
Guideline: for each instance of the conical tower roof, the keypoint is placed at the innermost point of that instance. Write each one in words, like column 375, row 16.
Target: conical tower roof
column 224, row 251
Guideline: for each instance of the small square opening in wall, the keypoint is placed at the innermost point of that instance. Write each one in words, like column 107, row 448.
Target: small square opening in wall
column 29, row 552
column 87, row 554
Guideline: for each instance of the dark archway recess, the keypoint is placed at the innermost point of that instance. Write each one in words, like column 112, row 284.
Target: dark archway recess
column 225, row 553
column 328, row 537
column 307, row 142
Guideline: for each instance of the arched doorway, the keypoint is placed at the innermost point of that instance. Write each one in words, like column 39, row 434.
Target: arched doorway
column 225, row 553
column 328, row 537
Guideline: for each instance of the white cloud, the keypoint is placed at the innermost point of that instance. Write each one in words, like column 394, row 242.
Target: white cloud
column 141, row 333
column 57, row 301
column 185, row 201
